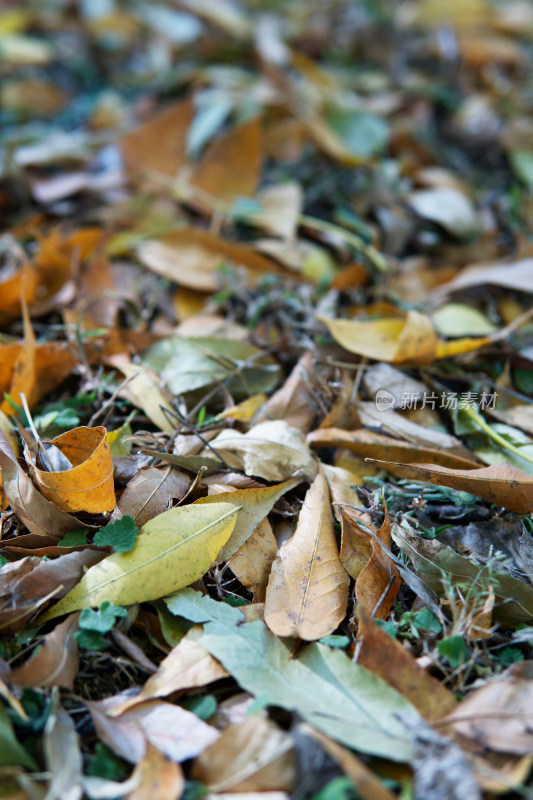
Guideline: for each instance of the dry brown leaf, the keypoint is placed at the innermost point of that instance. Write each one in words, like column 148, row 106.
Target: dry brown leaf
column 231, row 166
column 55, row 663
column 377, row 579
column 373, row 445
column 28, row 583
column 23, row 283
column 89, row 485
column 377, row 651
column 294, row 402
column 498, row 715
column 307, row 593
column 251, row 756
column 156, row 777
column 252, row 562
column 151, row 491
column 41, row 517
column 159, row 145
column 187, row 666
column 516, row 275
column 501, row 484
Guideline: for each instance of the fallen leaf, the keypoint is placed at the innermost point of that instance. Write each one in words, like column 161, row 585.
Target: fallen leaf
column 144, row 391
column 377, row 651
column 511, row 599
column 253, row 506
column 192, row 257
column 501, row 484
column 55, row 662
column 517, row 275
column 373, row 445
column 61, row 746
column 345, row 701
column 411, row 340
column 185, row 364
column 252, row 562
column 364, row 781
column 41, row 517
column 177, row 733
column 151, row 491
column 173, row 550
column 11, row 751
column 230, row 168
column 281, row 207
column 169, row 129
column 377, row 580
column 294, row 402
column 497, row 715
column 156, row 778
column 307, row 592
column 251, row 756
column 88, row 485
column 187, row 666
column 28, row 583
column 448, row 207
column 270, row 450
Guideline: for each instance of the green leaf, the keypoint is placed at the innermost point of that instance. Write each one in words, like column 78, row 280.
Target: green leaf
column 102, row 620
column 426, row 620
column 90, row 640
column 454, row 649
column 204, row 707
column 187, row 364
column 105, row 764
column 364, row 134
column 121, row 535
column 344, row 700
column 340, row 788
column 11, row 751
column 335, row 641
column 74, row 539
column 388, row 627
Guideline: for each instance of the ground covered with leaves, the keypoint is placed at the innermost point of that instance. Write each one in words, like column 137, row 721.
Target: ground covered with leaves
column 266, row 434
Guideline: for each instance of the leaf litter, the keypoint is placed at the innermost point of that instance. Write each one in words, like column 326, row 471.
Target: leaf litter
column 266, row 369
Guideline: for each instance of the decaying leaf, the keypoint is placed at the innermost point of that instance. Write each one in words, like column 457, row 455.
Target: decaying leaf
column 307, row 593
column 174, row 549
column 169, row 129
column 252, row 562
column 150, row 492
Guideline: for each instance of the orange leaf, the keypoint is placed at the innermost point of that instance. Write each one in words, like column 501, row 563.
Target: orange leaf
column 89, row 485
column 231, row 167
column 159, row 145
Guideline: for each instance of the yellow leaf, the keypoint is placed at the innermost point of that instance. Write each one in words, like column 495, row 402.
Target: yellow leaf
column 245, row 411
column 307, row 592
column 253, row 505
column 144, row 390
column 174, row 549
column 89, row 485
column 410, row 340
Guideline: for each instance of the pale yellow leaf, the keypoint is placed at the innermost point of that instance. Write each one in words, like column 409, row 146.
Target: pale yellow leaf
column 173, row 550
